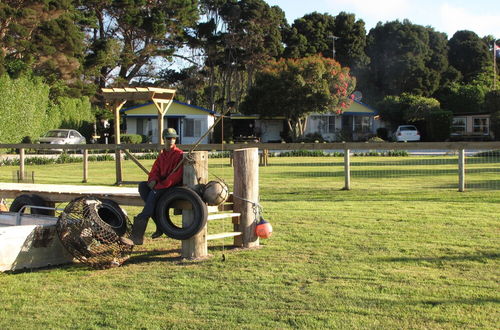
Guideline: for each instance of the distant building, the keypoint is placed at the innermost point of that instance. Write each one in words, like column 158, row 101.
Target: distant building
column 471, row 126
column 190, row 121
column 359, row 122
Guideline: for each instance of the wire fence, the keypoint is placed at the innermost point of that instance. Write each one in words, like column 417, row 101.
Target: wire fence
column 422, row 166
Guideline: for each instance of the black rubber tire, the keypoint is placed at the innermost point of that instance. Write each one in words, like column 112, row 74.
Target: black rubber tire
column 162, row 212
column 34, row 200
column 112, row 214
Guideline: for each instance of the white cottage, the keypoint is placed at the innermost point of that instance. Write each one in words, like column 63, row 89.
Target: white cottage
column 360, row 121
column 190, row 121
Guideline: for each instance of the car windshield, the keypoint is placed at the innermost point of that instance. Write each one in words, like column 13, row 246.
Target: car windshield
column 57, row 134
column 408, row 128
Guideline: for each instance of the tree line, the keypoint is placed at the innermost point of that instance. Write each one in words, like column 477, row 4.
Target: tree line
column 245, row 55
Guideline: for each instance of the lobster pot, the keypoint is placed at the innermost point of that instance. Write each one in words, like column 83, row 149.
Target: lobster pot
column 88, row 237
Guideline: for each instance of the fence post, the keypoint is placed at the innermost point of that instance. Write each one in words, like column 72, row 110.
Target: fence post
column 118, row 166
column 347, row 169
column 85, row 165
column 196, row 246
column 461, row 170
column 21, row 165
column 246, row 192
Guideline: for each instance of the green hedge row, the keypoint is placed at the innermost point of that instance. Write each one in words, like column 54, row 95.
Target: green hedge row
column 27, row 112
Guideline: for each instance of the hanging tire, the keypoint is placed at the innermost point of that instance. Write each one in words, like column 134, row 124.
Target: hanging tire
column 166, row 201
column 33, row 200
column 112, row 214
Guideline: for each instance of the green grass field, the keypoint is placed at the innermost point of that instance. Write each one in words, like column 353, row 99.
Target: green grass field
column 402, row 249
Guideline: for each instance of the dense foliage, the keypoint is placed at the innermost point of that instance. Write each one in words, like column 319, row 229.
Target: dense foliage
column 296, row 88
column 77, row 47
column 27, row 112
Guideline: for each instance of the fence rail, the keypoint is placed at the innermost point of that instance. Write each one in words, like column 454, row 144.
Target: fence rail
column 348, row 149
column 272, row 146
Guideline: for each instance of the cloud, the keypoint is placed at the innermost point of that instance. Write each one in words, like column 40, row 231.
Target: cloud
column 455, row 18
column 370, row 10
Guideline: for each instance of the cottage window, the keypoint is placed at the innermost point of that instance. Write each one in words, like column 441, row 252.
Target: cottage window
column 362, row 124
column 459, row 125
column 192, row 127
column 326, row 124
column 480, row 125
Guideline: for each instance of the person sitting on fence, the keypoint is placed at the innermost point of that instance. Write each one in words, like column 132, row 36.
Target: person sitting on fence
column 165, row 173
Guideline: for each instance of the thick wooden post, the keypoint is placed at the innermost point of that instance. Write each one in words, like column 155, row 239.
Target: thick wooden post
column 461, row 170
column 118, row 167
column 118, row 155
column 85, row 165
column 246, row 192
column 196, row 246
column 21, row 165
column 347, row 169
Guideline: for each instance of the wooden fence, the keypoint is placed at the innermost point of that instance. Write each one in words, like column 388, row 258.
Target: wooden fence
column 120, row 149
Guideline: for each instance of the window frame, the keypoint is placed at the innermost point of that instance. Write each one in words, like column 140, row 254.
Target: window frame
column 483, row 128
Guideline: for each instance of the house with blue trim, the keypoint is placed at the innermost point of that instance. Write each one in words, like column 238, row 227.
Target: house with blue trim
column 190, row 121
column 359, row 122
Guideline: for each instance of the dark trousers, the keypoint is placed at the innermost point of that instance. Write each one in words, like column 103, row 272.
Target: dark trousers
column 148, row 195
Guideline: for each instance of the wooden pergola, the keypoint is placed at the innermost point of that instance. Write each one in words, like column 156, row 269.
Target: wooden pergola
column 117, row 97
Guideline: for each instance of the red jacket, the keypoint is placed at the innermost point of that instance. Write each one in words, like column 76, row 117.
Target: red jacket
column 163, row 166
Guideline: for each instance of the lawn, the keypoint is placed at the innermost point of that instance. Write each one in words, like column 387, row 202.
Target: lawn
column 402, row 249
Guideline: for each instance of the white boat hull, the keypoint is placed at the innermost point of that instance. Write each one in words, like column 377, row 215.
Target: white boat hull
column 31, row 244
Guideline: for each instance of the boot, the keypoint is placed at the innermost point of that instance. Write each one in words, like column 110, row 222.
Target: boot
column 157, row 234
column 138, row 230
column 126, row 241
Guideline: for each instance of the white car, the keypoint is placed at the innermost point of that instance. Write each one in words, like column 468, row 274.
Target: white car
column 62, row 136
column 406, row 133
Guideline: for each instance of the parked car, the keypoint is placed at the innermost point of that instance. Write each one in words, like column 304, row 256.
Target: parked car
column 406, row 133
column 62, row 136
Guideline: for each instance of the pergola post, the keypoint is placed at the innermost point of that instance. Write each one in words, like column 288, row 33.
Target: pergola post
column 118, row 156
column 162, row 98
column 162, row 104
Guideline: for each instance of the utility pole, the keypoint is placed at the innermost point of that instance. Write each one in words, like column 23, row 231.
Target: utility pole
column 333, row 44
column 495, row 64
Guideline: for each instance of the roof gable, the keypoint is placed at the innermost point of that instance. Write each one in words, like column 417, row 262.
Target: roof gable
column 177, row 108
column 358, row 107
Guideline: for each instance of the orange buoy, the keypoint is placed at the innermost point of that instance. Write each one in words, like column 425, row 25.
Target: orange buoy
column 263, row 229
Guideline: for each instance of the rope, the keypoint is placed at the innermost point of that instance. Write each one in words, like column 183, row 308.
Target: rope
column 256, row 207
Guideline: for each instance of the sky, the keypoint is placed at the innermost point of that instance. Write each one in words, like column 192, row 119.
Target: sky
column 480, row 16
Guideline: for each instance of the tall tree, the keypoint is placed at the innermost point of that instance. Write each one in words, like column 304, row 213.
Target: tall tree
column 237, row 38
column 40, row 36
column 128, row 38
column 310, row 35
column 294, row 88
column 313, row 34
column 468, row 54
column 351, row 42
column 405, row 58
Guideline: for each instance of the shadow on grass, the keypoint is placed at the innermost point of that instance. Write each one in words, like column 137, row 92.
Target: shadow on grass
column 435, row 302
column 174, row 255
column 138, row 257
column 479, row 257
column 485, row 185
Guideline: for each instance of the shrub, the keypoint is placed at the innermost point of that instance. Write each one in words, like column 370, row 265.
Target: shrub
column 490, row 153
column 383, row 133
column 311, row 138
column 131, row 138
column 375, row 139
column 219, row 154
column 438, row 125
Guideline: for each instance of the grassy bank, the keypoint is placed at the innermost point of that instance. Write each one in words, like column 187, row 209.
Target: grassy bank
column 402, row 249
